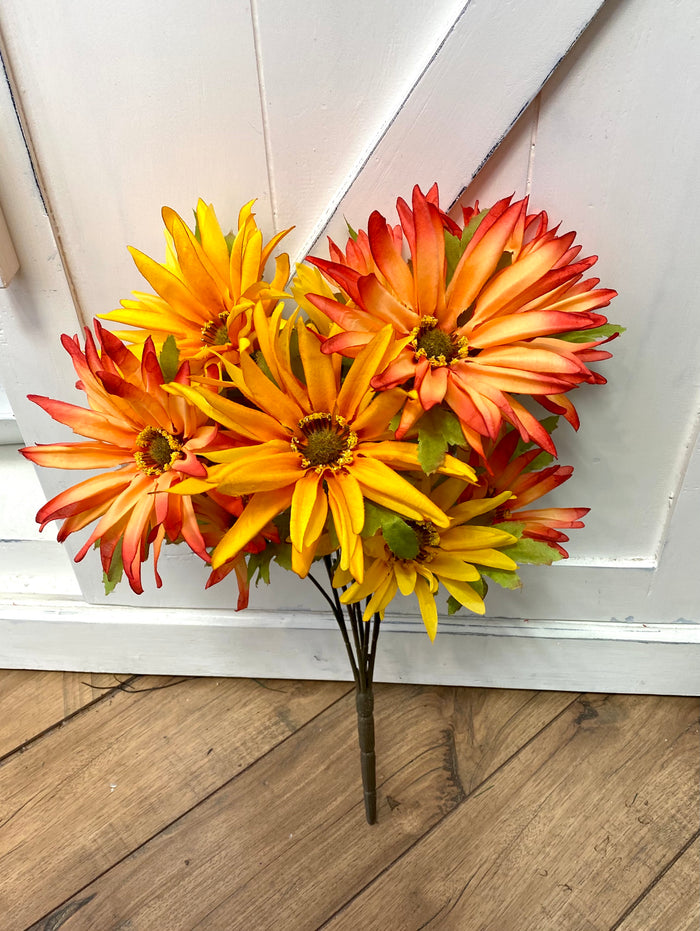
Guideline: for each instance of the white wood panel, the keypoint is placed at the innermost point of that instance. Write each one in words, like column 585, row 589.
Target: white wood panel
column 489, row 68
column 334, row 76
column 130, row 106
column 617, row 159
column 507, row 654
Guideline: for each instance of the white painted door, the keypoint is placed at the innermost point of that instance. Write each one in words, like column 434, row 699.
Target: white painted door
column 325, row 110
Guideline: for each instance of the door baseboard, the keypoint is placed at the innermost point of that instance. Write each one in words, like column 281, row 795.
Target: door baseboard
column 65, row 633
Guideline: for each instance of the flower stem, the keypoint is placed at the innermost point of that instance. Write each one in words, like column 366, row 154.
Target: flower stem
column 361, row 652
column 364, row 702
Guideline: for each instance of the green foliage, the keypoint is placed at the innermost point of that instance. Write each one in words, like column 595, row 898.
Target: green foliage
column 351, row 232
column 400, row 537
column 260, row 563
column 513, row 527
column 455, row 246
column 116, row 570
column 453, row 606
column 550, row 424
column 230, row 239
column 587, row 336
column 480, row 587
column 437, row 430
column 169, row 358
column 502, row 577
column 532, row 552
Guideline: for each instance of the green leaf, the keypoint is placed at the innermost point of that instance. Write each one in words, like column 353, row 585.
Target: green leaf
column 116, row 570
column 480, row 587
column 514, row 527
column 283, row 555
column 586, row 336
column 230, row 239
column 550, row 424
column 540, row 462
column 532, row 552
column 453, row 606
column 351, row 232
column 437, row 430
column 502, row 577
column 197, row 231
column 261, row 362
column 169, row 358
column 260, row 563
column 400, row 537
column 455, row 246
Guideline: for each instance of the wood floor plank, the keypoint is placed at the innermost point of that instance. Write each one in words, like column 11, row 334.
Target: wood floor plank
column 563, row 837
column 85, row 795
column 286, row 844
column 31, row 702
column 673, row 904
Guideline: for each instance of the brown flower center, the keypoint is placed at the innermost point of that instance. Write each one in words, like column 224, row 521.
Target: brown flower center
column 326, row 442
column 428, row 536
column 215, row 333
column 157, row 451
column 435, row 345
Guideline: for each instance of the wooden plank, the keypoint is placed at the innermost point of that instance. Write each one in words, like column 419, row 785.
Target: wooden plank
column 565, row 836
column 673, row 903
column 87, row 795
column 31, row 702
column 286, row 843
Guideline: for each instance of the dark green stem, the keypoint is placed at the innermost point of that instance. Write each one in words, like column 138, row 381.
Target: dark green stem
column 361, row 652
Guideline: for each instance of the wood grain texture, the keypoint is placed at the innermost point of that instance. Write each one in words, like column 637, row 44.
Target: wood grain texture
column 31, row 702
column 673, row 902
column 285, row 844
column 84, row 796
column 578, row 824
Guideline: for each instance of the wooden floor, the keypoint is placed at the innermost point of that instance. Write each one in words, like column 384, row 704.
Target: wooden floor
column 163, row 804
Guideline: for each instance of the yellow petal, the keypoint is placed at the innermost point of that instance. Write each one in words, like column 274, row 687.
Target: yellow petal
column 381, row 484
column 309, row 510
column 319, row 369
column 465, row 595
column 406, row 576
column 428, row 608
column 257, row 514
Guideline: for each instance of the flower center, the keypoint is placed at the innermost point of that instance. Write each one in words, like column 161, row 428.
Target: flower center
column 326, row 442
column 157, row 451
column 428, row 536
column 432, row 343
column 215, row 333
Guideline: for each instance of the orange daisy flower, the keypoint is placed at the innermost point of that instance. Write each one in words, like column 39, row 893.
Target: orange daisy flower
column 475, row 335
column 147, row 438
column 504, row 472
column 207, row 287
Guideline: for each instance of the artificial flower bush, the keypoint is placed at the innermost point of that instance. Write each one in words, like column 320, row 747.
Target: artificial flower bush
column 373, row 420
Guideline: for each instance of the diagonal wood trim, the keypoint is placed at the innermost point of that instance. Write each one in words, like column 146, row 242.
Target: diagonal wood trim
column 466, row 128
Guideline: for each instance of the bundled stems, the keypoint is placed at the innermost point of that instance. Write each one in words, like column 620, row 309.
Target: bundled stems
column 361, row 645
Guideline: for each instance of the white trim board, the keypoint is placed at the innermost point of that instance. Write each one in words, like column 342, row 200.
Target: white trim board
column 576, row 656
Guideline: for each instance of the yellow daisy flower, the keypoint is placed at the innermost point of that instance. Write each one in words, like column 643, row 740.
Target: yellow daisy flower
column 314, row 443
column 207, row 287
column 447, row 555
